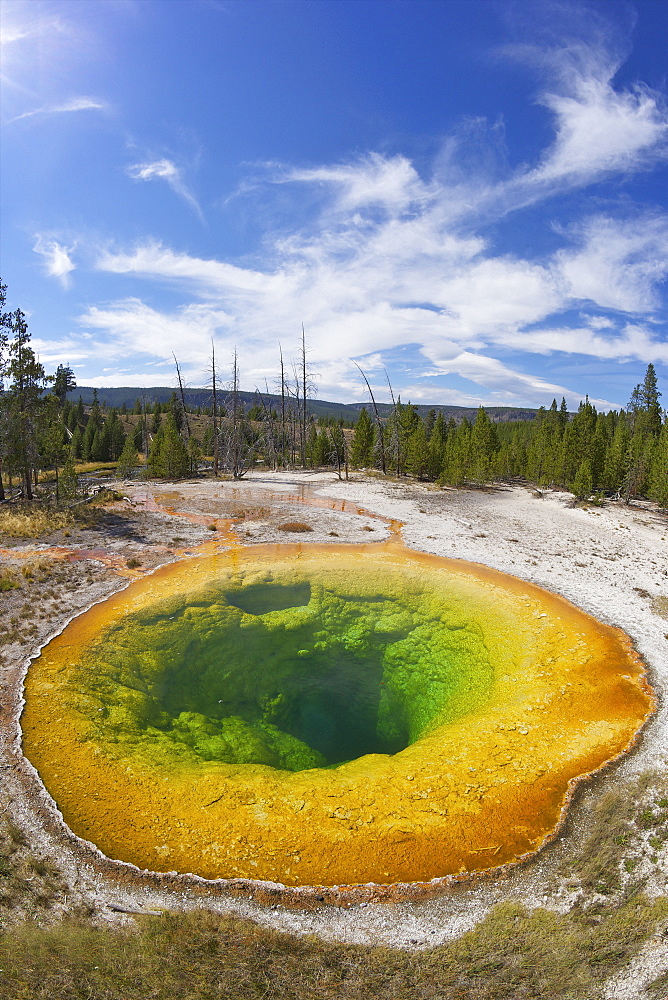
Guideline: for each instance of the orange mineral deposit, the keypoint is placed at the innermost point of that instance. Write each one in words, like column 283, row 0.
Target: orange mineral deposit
column 327, row 715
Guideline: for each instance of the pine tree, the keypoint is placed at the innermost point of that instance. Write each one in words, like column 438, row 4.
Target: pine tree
column 578, row 441
column 194, row 454
column 645, row 414
column 313, row 455
column 76, row 443
column 457, row 455
column 658, row 477
column 168, row 456
column 64, row 382
column 649, row 396
column 25, row 401
column 51, row 437
column 599, row 447
column 437, row 441
column 128, row 459
column 536, row 458
column 176, row 409
column 417, row 452
column 614, row 469
column 115, row 436
column 361, row 452
column 484, row 445
column 583, row 484
column 156, row 418
column 68, row 479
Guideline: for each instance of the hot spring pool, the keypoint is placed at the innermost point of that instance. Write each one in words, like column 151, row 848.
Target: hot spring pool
column 327, row 715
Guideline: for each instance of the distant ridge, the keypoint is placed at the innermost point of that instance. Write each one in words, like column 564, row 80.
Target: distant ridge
column 117, row 396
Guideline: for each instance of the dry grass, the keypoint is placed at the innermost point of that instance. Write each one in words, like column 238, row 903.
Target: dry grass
column 85, row 468
column 295, row 526
column 30, row 521
column 29, row 884
column 9, row 579
column 630, row 824
column 660, row 606
column 512, row 955
column 658, row 990
column 34, row 520
column 39, row 569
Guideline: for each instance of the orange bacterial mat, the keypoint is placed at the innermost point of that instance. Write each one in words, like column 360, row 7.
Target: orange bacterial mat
column 328, row 715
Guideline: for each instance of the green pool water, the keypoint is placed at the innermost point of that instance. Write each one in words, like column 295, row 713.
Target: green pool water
column 329, row 715
column 292, row 674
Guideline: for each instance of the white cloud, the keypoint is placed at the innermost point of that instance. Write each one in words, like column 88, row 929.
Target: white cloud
column 619, row 264
column 634, row 342
column 601, row 130
column 75, row 104
column 392, row 184
column 501, row 385
column 386, row 260
column 57, row 259
column 155, row 261
column 52, row 353
column 135, row 328
column 167, row 171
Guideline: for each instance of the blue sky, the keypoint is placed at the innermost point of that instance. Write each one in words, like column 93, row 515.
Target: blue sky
column 470, row 195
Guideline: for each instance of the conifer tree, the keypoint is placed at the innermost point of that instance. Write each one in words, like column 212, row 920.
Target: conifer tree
column 437, row 441
column 128, row 458
column 484, row 445
column 76, row 443
column 64, row 382
column 168, row 456
column 313, row 450
column 583, row 484
column 457, row 455
column 194, row 454
column 25, row 401
column 361, row 452
column 614, row 469
column 114, row 437
column 646, row 426
column 658, row 476
column 417, row 452
column 68, row 479
column 649, row 400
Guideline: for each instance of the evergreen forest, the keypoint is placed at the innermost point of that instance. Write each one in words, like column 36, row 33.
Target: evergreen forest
column 48, row 436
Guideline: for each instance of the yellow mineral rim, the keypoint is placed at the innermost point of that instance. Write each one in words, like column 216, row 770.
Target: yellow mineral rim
column 327, row 715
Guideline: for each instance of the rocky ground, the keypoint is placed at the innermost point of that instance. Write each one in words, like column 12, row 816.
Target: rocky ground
column 612, row 561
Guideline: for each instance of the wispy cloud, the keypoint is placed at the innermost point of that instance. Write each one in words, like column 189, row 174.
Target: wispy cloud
column 167, row 171
column 389, row 261
column 57, row 259
column 75, row 104
column 392, row 184
column 619, row 264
